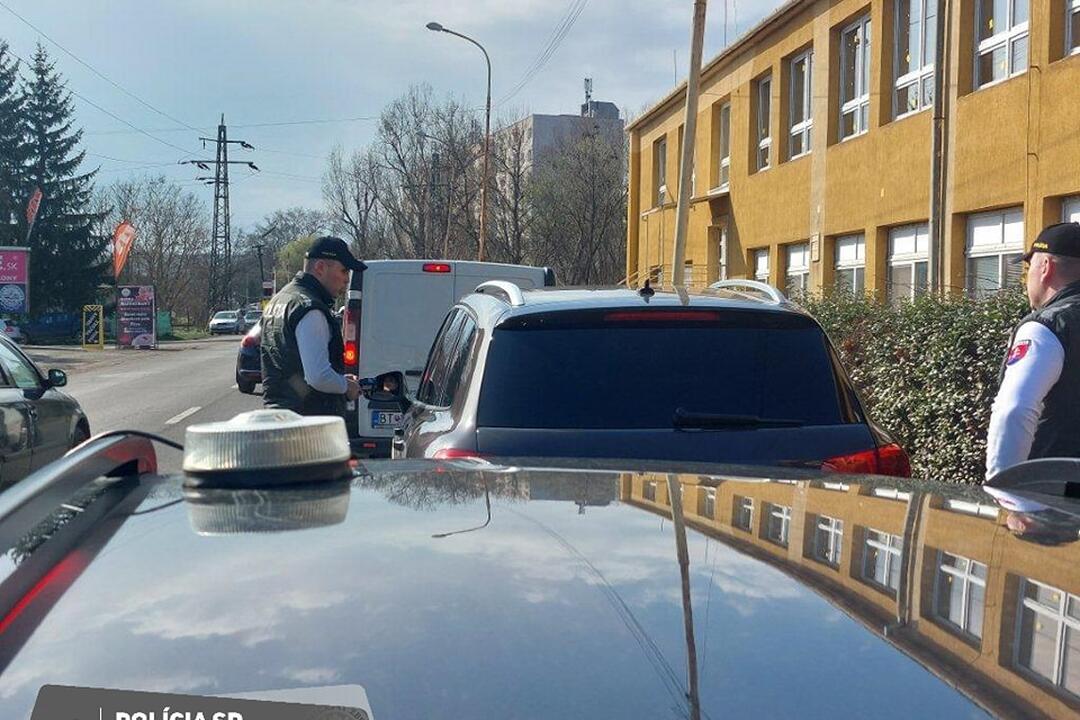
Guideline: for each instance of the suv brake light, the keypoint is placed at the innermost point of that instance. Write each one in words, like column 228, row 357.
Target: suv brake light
column 662, row 316
column 249, row 341
column 886, row 460
column 437, row 267
column 456, row 453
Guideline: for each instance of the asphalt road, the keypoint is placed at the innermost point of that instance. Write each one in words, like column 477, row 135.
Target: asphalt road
column 160, row 391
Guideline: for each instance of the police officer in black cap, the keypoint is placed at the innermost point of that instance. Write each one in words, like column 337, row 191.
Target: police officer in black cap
column 302, row 350
column 1036, row 412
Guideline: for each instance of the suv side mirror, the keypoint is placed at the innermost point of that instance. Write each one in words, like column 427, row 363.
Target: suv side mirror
column 57, row 378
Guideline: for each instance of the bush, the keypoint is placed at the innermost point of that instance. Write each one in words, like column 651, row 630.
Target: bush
column 927, row 370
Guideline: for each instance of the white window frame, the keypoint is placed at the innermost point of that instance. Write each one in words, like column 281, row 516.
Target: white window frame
column 802, row 127
column 831, row 550
column 660, row 171
column 797, row 274
column 892, row 553
column 1072, row 44
column 909, row 259
column 967, row 578
column 925, row 71
column 862, row 77
column 1070, row 206
column 708, row 503
column 781, row 513
column 761, row 269
column 859, row 263
column 744, row 504
column 648, row 491
column 764, row 106
column 1001, row 39
column 1061, row 617
column 1004, row 251
column 723, row 173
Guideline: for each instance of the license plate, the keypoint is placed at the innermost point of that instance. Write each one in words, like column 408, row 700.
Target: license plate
column 383, row 418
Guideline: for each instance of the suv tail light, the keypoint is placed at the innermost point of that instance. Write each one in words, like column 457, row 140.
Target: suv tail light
column 456, row 453
column 249, row 341
column 886, row 460
column 351, row 356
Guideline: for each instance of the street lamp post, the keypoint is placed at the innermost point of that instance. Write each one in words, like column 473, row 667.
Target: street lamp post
column 436, row 27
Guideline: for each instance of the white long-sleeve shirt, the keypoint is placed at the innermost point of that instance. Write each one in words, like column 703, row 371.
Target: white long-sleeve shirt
column 312, row 339
column 1034, row 364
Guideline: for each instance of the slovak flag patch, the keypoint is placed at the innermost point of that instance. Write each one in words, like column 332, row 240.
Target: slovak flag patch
column 1018, row 352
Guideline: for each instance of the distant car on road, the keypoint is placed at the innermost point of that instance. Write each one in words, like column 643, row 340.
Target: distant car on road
column 225, row 322
column 12, row 331
column 38, row 422
column 248, row 364
column 250, row 319
column 735, row 374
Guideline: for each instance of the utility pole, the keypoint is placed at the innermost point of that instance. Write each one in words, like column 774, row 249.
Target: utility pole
column 221, row 237
column 686, row 162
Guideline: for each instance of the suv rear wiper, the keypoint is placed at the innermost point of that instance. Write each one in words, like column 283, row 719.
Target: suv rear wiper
column 700, row 420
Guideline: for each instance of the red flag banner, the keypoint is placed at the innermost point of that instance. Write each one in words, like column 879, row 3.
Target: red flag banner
column 32, row 211
column 123, row 239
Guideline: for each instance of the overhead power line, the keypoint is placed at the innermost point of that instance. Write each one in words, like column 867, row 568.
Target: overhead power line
column 318, row 121
column 554, row 41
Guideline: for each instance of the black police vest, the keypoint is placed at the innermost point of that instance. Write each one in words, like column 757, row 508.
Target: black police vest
column 282, row 369
column 1058, row 431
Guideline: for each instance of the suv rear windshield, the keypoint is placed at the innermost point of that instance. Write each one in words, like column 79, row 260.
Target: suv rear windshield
column 626, row 369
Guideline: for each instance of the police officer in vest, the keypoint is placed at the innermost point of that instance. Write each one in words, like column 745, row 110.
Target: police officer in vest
column 302, row 348
column 1037, row 410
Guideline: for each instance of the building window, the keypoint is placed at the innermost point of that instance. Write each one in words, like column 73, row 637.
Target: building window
column 828, row 540
column 798, row 268
column 994, row 240
column 1049, row 635
column 760, row 260
column 851, row 264
column 744, row 513
column 660, row 169
column 916, row 45
column 881, row 559
column 960, row 593
column 764, row 139
column 1070, row 206
column 909, row 262
column 707, row 499
column 723, row 139
column 1072, row 26
column 1001, row 29
column 855, row 78
column 778, row 523
column 802, row 120
column 649, row 491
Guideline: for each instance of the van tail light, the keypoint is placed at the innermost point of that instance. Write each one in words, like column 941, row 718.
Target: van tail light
column 437, row 267
column 886, row 460
column 250, row 341
column 351, row 356
column 456, row 454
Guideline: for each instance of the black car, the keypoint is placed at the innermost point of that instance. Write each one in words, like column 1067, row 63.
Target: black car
column 38, row 421
column 734, row 374
column 248, row 362
column 462, row 589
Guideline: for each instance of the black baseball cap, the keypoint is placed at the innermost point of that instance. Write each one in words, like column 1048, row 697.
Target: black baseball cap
column 333, row 248
column 1059, row 239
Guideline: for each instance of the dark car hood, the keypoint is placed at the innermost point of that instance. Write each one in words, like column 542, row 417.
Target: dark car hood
column 565, row 601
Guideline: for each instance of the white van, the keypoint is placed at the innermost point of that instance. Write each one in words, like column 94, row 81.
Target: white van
column 394, row 310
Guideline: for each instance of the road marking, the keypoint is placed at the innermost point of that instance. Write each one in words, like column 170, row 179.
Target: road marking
column 187, row 413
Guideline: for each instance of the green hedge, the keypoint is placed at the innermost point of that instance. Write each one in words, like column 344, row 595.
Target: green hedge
column 926, row 370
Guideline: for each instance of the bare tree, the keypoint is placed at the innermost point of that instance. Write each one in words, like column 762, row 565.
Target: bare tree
column 350, row 191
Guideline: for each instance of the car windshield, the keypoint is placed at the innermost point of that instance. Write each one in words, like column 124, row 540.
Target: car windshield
column 253, row 316
column 225, row 316
column 618, row 374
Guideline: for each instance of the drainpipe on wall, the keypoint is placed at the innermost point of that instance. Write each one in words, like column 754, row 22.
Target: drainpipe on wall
column 939, row 166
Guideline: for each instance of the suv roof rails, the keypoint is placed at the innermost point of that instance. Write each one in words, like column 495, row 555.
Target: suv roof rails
column 754, row 285
column 510, row 292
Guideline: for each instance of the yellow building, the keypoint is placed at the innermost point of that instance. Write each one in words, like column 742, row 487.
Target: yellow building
column 812, row 163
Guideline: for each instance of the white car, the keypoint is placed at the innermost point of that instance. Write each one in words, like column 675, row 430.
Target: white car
column 225, row 322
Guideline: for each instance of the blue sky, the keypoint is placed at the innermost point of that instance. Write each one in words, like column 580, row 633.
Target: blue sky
column 283, row 61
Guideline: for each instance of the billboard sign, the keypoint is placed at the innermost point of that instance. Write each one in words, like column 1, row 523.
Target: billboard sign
column 15, row 280
column 135, row 316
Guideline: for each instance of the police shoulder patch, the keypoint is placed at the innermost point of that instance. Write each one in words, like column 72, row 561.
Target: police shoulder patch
column 1018, row 352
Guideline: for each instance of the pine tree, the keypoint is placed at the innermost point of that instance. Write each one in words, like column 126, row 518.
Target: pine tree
column 67, row 260
column 13, row 149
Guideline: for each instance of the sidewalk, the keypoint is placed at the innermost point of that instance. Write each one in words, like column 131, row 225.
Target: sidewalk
column 74, row 358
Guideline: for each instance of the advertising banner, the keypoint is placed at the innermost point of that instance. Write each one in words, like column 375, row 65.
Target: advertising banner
column 135, row 316
column 15, row 280
column 123, row 239
column 93, row 327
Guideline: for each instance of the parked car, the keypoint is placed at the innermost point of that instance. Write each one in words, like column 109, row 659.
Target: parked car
column 734, row 374
column 225, row 322
column 12, row 331
column 465, row 589
column 248, row 362
column 250, row 319
column 38, row 421
column 394, row 309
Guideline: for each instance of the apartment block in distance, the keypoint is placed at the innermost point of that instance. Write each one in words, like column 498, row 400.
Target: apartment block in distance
column 815, row 137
